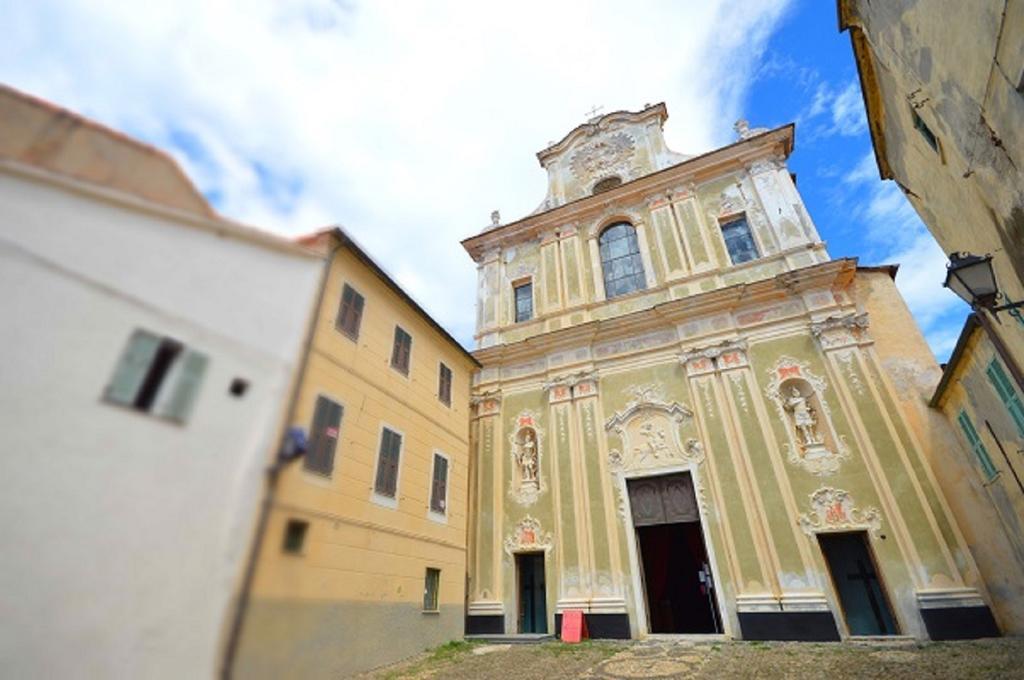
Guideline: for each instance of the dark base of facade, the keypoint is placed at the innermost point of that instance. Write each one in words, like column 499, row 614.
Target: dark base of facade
column 960, row 623
column 485, row 625
column 601, row 626
column 819, row 626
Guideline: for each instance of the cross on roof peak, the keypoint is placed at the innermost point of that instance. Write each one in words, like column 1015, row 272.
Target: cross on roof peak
column 594, row 111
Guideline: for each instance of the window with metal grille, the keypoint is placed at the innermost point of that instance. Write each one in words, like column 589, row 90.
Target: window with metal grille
column 386, row 483
column 401, row 351
column 323, row 436
column 431, row 586
column 524, row 301
column 157, row 375
column 439, row 485
column 739, row 241
column 1004, row 388
column 444, row 385
column 350, row 313
column 295, row 536
column 976, row 445
column 620, row 260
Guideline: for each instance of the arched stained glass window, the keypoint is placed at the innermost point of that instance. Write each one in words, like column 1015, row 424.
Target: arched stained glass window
column 620, row 260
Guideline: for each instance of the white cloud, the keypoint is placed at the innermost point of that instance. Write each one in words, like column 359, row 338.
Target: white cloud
column 407, row 122
column 833, row 110
column 893, row 233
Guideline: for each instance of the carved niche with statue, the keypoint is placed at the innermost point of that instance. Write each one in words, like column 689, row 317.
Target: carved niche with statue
column 799, row 397
column 526, row 483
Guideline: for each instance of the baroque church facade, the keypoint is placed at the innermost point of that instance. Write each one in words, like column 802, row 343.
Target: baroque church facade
column 690, row 419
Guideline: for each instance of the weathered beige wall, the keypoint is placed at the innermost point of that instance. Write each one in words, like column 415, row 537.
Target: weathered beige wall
column 990, row 509
column 960, row 69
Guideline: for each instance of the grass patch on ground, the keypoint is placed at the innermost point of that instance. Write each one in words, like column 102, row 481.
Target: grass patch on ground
column 440, row 655
column 606, row 649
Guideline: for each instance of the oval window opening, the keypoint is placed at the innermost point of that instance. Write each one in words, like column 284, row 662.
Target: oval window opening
column 607, row 184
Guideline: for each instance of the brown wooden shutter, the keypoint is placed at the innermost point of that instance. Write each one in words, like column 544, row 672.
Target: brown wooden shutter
column 350, row 312
column 439, row 488
column 324, row 435
column 387, row 464
column 444, row 387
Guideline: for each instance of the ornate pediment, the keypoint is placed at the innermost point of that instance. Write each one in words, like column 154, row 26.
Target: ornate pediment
column 834, row 509
column 649, row 428
column 528, row 536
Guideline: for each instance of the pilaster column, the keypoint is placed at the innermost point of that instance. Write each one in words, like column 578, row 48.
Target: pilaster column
column 485, row 596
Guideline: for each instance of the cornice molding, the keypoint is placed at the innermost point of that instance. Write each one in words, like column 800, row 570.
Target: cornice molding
column 831, row 274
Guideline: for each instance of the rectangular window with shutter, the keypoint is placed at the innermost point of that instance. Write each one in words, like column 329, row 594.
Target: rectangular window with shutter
column 157, row 375
column 1007, row 393
column 977, row 446
column 431, row 586
column 323, row 436
column 350, row 313
column 386, row 482
column 439, row 486
column 444, row 385
column 401, row 351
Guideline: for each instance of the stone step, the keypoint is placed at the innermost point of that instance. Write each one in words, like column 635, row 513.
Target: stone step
column 518, row 639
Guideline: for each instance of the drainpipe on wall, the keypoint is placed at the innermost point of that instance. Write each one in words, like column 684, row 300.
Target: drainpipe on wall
column 273, row 475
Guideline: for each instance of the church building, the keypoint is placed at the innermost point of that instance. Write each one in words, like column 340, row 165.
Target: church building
column 690, row 419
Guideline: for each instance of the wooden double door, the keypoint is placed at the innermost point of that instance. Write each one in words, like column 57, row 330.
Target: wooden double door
column 679, row 589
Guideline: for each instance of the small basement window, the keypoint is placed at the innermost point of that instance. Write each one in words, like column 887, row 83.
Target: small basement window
column 607, row 184
column 430, row 587
column 295, row 536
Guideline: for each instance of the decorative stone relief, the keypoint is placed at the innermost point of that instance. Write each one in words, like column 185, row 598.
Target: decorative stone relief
column 528, row 536
column 573, row 385
column 486, row 403
column 762, row 165
column 744, row 131
column 799, row 398
column 841, row 331
column 833, row 509
column 526, row 483
column 649, row 428
column 720, row 356
column 603, row 155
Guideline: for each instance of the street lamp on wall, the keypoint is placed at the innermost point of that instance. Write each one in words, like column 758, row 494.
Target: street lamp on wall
column 971, row 277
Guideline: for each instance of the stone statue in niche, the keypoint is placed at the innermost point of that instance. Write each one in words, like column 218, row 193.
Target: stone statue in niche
column 799, row 396
column 526, row 458
column 805, row 418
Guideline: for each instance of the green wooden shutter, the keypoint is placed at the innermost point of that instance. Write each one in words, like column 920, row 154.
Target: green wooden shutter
column 1004, row 388
column 132, row 367
column 186, row 388
column 976, row 445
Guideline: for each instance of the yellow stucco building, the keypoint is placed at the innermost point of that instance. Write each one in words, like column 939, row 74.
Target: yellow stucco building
column 363, row 557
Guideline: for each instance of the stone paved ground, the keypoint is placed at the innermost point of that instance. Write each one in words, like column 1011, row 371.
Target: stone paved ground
column 999, row 658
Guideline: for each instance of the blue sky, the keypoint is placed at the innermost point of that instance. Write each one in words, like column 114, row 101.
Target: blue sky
column 409, row 122
column 807, row 75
